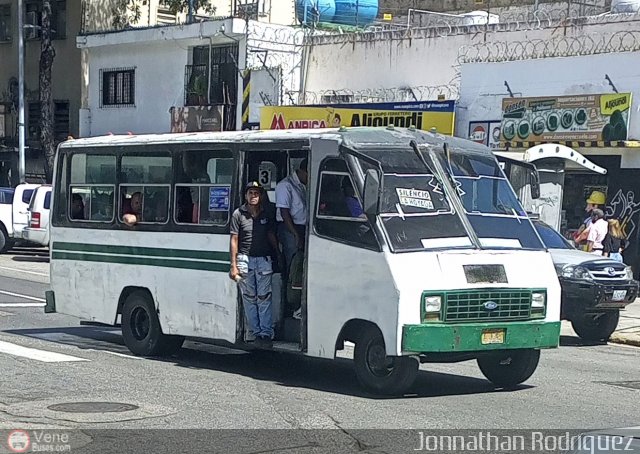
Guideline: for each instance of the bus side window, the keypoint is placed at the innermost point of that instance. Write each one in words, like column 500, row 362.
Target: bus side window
column 145, row 193
column 338, row 213
column 203, row 187
column 91, row 189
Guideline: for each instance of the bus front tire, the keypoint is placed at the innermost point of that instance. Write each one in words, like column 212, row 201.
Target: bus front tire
column 379, row 373
column 595, row 327
column 141, row 328
column 509, row 368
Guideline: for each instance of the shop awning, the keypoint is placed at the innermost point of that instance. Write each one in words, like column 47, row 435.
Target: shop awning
column 551, row 150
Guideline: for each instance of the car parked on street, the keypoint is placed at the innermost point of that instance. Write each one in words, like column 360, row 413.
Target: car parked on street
column 14, row 214
column 594, row 288
column 39, row 210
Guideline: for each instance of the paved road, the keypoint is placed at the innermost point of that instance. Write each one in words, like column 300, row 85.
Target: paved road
column 576, row 386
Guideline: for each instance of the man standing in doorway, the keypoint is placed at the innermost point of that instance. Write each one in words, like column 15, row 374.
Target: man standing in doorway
column 291, row 214
column 253, row 240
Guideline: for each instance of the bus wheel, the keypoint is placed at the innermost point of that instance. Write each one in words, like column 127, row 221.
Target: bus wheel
column 595, row 327
column 141, row 328
column 509, row 368
column 379, row 373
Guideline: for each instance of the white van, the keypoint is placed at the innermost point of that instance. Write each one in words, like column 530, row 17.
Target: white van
column 14, row 214
column 39, row 209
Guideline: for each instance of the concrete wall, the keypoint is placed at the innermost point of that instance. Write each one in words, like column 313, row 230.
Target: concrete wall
column 462, row 5
column 482, row 84
column 66, row 65
column 415, row 58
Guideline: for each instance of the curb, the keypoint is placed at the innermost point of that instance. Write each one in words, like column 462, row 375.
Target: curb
column 625, row 339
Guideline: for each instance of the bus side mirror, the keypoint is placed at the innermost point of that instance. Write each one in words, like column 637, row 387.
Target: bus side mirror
column 371, row 196
column 535, row 184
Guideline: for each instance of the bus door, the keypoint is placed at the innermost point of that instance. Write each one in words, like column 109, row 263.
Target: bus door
column 268, row 165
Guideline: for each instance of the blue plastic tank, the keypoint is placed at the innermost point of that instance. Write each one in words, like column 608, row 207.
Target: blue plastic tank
column 355, row 12
column 312, row 11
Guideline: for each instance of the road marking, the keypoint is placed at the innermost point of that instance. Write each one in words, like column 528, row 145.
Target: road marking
column 117, row 354
column 17, row 305
column 19, row 295
column 5, row 314
column 24, row 271
column 38, row 355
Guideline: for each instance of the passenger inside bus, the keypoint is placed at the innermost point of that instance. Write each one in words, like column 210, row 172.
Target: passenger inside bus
column 132, row 214
column 77, row 207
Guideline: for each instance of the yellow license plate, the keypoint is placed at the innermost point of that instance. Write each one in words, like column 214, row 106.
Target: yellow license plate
column 493, row 336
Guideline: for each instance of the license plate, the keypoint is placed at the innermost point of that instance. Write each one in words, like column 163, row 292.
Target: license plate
column 619, row 295
column 493, row 336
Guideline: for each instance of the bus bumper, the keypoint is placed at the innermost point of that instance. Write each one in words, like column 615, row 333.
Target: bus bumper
column 472, row 337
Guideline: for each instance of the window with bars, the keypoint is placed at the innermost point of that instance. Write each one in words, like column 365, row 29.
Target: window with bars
column 117, row 87
column 60, row 120
column 5, row 22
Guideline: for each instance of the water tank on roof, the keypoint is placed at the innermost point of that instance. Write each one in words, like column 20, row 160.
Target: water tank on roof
column 479, row 18
column 355, row 12
column 312, row 11
column 625, row 6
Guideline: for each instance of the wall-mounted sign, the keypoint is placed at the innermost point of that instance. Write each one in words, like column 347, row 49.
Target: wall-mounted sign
column 423, row 115
column 485, row 132
column 196, row 118
column 587, row 118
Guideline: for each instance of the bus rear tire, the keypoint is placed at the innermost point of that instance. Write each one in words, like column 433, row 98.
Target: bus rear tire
column 141, row 328
column 379, row 373
column 509, row 368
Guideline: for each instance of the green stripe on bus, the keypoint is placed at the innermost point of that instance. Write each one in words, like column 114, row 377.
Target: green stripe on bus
column 139, row 250
column 162, row 262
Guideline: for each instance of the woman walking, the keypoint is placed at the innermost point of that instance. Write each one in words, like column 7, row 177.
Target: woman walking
column 614, row 243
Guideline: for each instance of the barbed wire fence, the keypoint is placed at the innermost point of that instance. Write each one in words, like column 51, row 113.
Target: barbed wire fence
column 373, row 95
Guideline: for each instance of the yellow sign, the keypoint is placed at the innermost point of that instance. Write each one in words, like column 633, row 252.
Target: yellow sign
column 387, row 17
column 617, row 101
column 424, row 115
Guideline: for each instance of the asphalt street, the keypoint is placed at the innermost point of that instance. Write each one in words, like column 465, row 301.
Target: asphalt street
column 49, row 359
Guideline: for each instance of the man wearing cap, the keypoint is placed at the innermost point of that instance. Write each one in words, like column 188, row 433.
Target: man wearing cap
column 597, row 232
column 253, row 240
column 291, row 213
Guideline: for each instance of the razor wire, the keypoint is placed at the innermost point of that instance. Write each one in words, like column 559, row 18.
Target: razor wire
column 397, row 94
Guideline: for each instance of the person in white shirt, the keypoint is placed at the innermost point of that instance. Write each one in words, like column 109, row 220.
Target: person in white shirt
column 291, row 213
column 597, row 232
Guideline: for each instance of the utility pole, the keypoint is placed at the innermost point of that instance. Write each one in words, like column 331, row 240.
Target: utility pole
column 21, row 138
column 190, row 13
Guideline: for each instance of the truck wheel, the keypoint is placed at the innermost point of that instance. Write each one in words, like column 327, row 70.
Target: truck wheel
column 509, row 368
column 6, row 243
column 379, row 373
column 596, row 327
column 141, row 328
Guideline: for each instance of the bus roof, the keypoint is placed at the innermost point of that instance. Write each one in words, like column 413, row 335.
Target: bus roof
column 355, row 137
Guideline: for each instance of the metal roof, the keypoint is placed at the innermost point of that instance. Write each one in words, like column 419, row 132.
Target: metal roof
column 355, row 137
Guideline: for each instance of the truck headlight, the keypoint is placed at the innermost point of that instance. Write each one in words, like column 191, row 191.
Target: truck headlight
column 538, row 300
column 432, row 304
column 628, row 272
column 575, row 272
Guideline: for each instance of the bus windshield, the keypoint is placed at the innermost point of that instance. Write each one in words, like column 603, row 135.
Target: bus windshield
column 417, row 215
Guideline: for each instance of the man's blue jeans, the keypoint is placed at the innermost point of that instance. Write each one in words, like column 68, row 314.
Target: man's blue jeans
column 255, row 287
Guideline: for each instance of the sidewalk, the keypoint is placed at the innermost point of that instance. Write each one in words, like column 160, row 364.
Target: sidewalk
column 628, row 331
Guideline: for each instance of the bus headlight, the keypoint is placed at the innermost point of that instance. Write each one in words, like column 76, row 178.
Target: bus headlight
column 538, row 300
column 432, row 304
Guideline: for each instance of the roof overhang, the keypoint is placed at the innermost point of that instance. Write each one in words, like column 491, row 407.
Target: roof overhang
column 551, row 150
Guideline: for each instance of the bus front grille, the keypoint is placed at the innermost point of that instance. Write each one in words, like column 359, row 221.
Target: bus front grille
column 489, row 305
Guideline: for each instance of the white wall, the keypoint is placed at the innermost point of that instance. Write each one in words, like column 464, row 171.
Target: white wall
column 482, row 84
column 417, row 57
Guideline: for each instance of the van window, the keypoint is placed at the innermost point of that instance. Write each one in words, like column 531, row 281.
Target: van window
column 6, row 197
column 203, row 189
column 26, row 195
column 339, row 213
column 91, row 196
column 146, row 188
column 47, row 200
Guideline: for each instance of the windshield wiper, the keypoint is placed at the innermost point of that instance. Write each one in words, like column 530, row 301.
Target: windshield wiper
column 450, row 193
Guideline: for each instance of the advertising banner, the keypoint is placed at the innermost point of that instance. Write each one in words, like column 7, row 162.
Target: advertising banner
column 196, row 118
column 587, row 118
column 485, row 132
column 423, row 115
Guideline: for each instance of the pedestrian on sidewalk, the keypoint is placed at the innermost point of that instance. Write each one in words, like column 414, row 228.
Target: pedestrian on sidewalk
column 597, row 232
column 614, row 243
column 253, row 241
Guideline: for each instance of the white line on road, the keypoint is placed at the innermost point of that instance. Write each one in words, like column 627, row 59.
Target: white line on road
column 22, row 305
column 23, row 271
column 19, row 295
column 38, row 355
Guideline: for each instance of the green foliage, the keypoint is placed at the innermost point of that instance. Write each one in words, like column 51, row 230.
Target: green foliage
column 182, row 6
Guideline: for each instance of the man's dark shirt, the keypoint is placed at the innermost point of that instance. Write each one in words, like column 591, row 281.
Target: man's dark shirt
column 253, row 239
